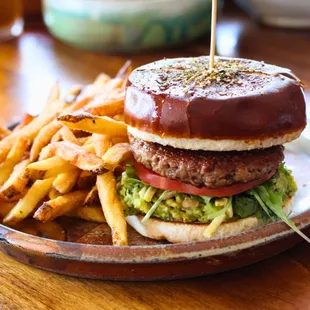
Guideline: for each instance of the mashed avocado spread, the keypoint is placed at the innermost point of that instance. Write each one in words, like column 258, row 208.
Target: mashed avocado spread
column 264, row 201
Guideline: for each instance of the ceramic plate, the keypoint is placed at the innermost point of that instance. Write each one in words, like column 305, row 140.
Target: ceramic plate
column 88, row 251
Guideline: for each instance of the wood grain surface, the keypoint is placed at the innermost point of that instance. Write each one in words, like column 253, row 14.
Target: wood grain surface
column 28, row 68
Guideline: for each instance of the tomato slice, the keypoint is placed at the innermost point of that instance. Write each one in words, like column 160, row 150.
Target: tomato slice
column 158, row 181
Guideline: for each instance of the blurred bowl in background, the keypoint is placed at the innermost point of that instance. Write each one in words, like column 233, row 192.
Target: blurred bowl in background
column 127, row 25
column 279, row 13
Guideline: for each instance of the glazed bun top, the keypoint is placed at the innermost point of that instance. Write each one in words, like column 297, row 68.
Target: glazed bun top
column 240, row 100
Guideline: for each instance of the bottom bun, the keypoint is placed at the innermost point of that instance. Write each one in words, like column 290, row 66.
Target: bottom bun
column 176, row 232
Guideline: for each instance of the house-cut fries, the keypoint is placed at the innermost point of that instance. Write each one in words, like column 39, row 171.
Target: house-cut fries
column 90, row 147
column 92, row 198
column 65, row 134
column 16, row 184
column 68, row 135
column 46, row 152
column 94, row 124
column 86, row 180
column 92, row 214
column 65, row 182
column 60, row 206
column 52, row 97
column 73, row 94
column 14, row 157
column 43, row 138
column 27, row 118
column 47, row 168
column 101, row 143
column 79, row 157
column 30, row 131
column 53, row 194
column 116, row 155
column 48, row 131
column 112, row 208
column 104, row 106
column 47, row 164
column 29, row 202
column 62, row 162
column 4, row 132
column 124, row 71
column 101, row 80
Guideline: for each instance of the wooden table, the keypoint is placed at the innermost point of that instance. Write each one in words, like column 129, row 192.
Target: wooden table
column 28, row 68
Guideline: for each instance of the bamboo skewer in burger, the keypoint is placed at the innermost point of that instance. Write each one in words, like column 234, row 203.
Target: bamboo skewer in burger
column 213, row 34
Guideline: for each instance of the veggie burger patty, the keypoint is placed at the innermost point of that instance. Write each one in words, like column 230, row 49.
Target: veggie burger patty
column 206, row 168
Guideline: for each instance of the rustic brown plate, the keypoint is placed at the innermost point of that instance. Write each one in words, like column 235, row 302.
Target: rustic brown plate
column 88, row 251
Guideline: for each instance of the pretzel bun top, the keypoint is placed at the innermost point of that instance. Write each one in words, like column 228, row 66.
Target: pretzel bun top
column 242, row 103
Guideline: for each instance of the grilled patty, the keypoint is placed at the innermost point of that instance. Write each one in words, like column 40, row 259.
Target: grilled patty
column 206, row 168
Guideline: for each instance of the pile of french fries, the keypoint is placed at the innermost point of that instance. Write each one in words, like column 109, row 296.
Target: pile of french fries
column 63, row 162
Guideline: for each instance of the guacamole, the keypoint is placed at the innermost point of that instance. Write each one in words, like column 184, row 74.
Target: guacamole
column 264, row 201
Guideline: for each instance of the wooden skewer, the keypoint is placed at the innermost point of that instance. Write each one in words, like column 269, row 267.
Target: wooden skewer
column 213, row 34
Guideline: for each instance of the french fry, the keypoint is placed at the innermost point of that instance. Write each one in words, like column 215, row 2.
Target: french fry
column 18, row 150
column 65, row 182
column 94, row 124
column 34, row 175
column 60, row 206
column 4, row 132
column 73, row 94
column 86, row 180
column 90, row 147
column 88, row 140
column 46, row 153
column 101, row 143
column 116, row 140
column 124, row 71
column 54, row 172
column 116, row 155
column 6, row 207
column 29, row 202
column 50, row 130
column 65, row 134
column 104, row 106
column 56, row 137
column 29, row 131
column 92, row 199
column 53, row 194
column 112, row 208
column 27, row 119
column 91, row 214
column 47, row 164
column 119, row 117
column 47, row 168
column 68, row 135
column 43, row 138
column 14, row 157
column 52, row 97
column 101, row 80
column 84, row 140
column 79, row 157
column 16, row 184
column 98, row 87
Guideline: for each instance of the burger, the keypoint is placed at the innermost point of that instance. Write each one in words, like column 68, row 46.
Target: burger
column 208, row 147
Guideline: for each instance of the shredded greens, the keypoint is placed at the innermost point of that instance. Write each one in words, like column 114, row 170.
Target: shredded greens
column 155, row 205
column 264, row 201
